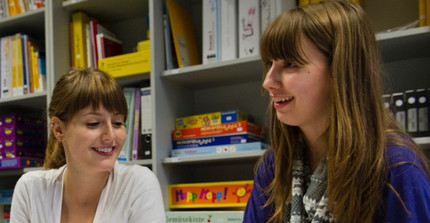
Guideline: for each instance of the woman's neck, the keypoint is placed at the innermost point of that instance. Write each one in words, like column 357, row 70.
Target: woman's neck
column 316, row 143
column 81, row 195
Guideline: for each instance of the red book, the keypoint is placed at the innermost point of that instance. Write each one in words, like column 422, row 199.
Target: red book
column 108, row 46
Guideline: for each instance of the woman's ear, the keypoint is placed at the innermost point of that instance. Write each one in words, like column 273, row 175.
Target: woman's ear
column 57, row 127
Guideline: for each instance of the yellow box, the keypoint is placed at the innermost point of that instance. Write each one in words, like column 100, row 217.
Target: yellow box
column 210, row 119
column 143, row 45
column 210, row 195
column 127, row 64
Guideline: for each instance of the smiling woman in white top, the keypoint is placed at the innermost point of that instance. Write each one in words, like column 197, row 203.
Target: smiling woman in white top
column 84, row 181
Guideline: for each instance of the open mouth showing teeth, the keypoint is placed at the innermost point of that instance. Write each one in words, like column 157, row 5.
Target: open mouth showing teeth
column 104, row 149
column 284, row 99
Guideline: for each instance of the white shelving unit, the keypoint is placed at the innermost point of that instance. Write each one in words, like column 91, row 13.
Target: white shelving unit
column 234, row 84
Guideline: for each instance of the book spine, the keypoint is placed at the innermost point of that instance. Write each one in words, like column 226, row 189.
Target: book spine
column 24, row 59
column 79, row 19
column 211, row 31
column 400, row 109
column 249, row 28
column 411, row 112
column 136, row 126
column 228, row 16
column 146, row 122
column 5, row 60
column 422, row 15
column 423, row 97
column 125, row 153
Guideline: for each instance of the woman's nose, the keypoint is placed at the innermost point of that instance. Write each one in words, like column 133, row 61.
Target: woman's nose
column 271, row 79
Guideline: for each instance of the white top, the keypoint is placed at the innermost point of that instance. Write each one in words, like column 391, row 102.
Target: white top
column 132, row 194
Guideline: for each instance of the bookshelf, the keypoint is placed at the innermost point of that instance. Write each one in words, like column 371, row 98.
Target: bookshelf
column 234, row 84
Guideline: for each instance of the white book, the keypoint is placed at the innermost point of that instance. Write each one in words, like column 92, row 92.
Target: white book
column 146, row 110
column 211, row 31
column 249, row 28
column 90, row 56
column 270, row 9
column 6, row 66
column 125, row 154
column 229, row 31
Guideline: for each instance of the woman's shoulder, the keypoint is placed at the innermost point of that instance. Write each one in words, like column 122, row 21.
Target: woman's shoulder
column 133, row 172
column 41, row 176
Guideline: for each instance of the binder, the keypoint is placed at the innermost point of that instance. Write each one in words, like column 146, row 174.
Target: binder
column 399, row 109
column 146, row 122
column 411, row 113
column 423, row 96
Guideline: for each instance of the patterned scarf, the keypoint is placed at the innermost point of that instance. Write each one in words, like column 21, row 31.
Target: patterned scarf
column 309, row 194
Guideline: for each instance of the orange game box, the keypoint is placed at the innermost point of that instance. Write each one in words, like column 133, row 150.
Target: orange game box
column 223, row 129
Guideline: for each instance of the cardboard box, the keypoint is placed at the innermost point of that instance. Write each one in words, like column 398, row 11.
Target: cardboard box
column 223, row 129
column 210, row 119
column 210, row 195
column 228, row 148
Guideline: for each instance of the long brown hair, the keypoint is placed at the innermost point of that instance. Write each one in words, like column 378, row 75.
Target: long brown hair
column 76, row 90
column 359, row 122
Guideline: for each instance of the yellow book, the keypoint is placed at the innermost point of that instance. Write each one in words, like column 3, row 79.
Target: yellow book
column 422, row 20
column 127, row 64
column 314, row 1
column 19, row 69
column 79, row 20
column 303, row 2
column 34, row 68
column 427, row 12
column 183, row 35
column 16, row 42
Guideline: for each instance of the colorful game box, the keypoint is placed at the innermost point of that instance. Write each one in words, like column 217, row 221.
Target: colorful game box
column 20, row 162
column 13, row 152
column 245, row 137
column 228, row 148
column 210, row 195
column 222, row 129
column 208, row 119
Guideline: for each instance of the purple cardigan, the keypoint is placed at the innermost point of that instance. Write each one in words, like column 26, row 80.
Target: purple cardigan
column 408, row 180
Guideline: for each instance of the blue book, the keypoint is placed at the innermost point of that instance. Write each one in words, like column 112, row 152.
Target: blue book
column 218, row 149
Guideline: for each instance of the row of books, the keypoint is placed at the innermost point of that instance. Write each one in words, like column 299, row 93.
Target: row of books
column 217, row 132
column 231, row 29
column 91, row 41
column 93, row 44
column 205, row 216
column 138, row 144
column 15, row 7
column 411, row 110
column 23, row 69
column 22, row 141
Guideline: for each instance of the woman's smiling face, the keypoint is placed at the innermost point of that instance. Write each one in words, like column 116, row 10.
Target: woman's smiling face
column 93, row 139
column 300, row 93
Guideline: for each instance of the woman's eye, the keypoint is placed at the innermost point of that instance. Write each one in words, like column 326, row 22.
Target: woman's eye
column 118, row 124
column 269, row 64
column 289, row 65
column 93, row 124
